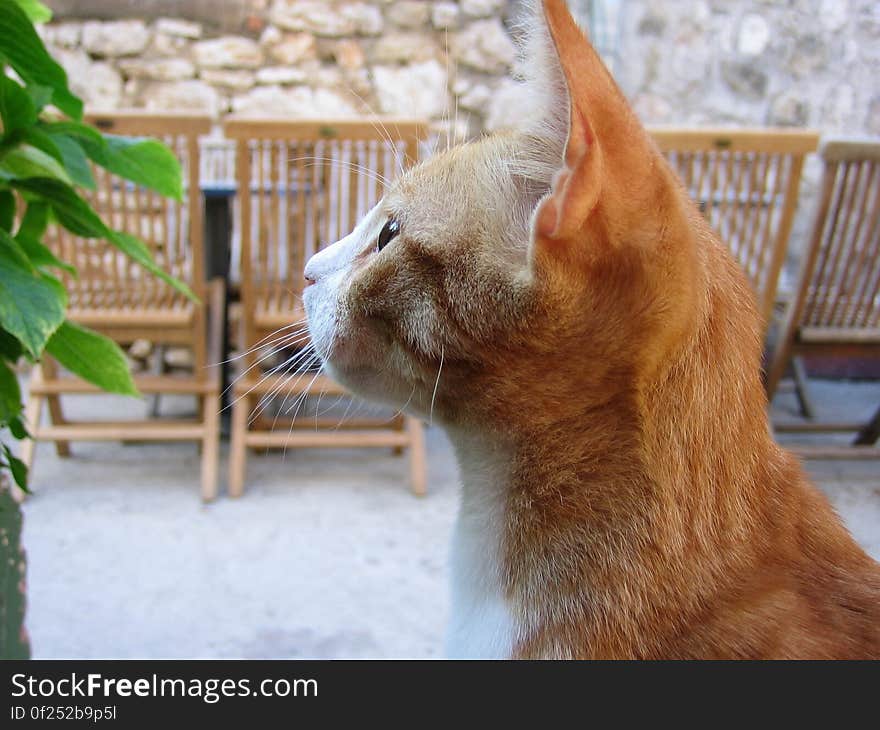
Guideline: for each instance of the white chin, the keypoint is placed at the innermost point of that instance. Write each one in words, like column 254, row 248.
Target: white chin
column 368, row 384
column 320, row 318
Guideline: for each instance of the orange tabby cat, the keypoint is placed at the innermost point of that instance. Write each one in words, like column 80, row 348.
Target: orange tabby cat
column 554, row 299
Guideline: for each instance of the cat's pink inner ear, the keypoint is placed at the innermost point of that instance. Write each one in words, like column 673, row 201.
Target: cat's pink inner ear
column 575, row 188
column 580, row 137
column 547, row 217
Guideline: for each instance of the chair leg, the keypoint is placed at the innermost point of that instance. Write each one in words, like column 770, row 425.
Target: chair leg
column 32, row 413
column 159, row 368
column 237, row 449
column 56, row 415
column 210, row 353
column 399, row 424
column 800, row 387
column 780, row 358
column 417, row 476
column 870, row 432
column 210, row 445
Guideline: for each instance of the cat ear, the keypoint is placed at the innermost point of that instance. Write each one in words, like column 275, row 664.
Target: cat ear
column 602, row 131
column 575, row 188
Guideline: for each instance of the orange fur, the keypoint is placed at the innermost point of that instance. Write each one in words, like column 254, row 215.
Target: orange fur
column 615, row 361
column 703, row 538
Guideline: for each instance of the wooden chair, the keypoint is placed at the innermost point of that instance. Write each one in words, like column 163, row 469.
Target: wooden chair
column 746, row 183
column 117, row 297
column 836, row 310
column 302, row 186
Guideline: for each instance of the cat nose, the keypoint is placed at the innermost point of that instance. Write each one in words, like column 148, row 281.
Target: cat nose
column 309, row 273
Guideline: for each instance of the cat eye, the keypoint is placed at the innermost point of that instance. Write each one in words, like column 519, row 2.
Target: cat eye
column 388, row 233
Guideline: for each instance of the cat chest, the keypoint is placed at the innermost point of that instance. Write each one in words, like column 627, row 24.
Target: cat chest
column 482, row 622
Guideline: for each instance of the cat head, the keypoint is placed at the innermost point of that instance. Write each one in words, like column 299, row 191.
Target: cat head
column 551, row 263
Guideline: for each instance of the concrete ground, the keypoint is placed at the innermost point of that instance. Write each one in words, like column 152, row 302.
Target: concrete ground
column 326, row 555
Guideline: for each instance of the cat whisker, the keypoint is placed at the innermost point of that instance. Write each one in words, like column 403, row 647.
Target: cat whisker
column 301, row 397
column 317, row 406
column 400, row 164
column 278, row 346
column 359, row 403
column 241, row 375
column 329, row 408
column 263, row 342
column 374, row 117
column 356, row 166
column 265, row 376
column 400, row 411
column 301, row 362
column 298, row 403
column 344, row 414
column 268, row 374
column 301, row 371
column 446, row 42
column 436, row 384
column 292, row 338
column 401, row 156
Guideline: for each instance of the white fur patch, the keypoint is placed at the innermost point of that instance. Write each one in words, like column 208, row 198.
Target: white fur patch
column 481, row 625
column 329, row 270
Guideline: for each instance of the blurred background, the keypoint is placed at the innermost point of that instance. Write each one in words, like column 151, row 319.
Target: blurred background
column 745, row 62
column 328, row 554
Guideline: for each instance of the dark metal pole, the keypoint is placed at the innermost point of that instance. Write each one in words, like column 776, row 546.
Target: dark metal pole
column 218, row 248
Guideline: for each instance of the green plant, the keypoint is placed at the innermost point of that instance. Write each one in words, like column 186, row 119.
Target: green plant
column 14, row 643
column 46, row 154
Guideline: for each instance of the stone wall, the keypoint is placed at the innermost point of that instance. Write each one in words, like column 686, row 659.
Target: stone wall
column 746, row 62
column 712, row 62
column 796, row 63
column 297, row 58
column 802, row 63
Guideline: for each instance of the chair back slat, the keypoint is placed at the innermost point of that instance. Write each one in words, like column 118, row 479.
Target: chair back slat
column 745, row 183
column 302, row 186
column 842, row 275
column 107, row 278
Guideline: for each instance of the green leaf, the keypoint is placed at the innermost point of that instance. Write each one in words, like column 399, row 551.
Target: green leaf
column 17, row 429
column 138, row 251
column 35, row 10
column 25, row 52
column 27, row 161
column 10, row 348
column 75, row 161
column 10, row 250
column 7, row 209
column 31, row 305
column 34, row 221
column 16, row 106
column 78, row 130
column 41, row 256
column 18, row 469
column 145, row 162
column 14, row 642
column 40, row 95
column 70, row 209
column 76, row 216
column 93, row 357
column 10, row 394
column 74, row 139
column 39, row 139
